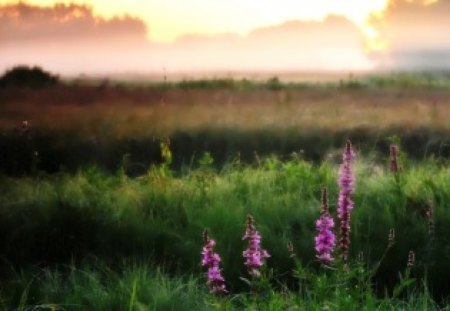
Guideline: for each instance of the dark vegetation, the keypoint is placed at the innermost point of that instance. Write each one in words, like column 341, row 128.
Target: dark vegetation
column 72, row 126
column 31, row 77
column 32, row 152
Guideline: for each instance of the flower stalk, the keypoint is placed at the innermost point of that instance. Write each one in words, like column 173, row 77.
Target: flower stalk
column 393, row 155
column 211, row 260
column 254, row 255
column 345, row 203
column 325, row 239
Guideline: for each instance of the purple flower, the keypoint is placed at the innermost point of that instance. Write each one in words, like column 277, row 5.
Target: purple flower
column 211, row 260
column 325, row 238
column 254, row 255
column 345, row 203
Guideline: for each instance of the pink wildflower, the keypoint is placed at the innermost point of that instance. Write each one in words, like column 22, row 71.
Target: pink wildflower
column 345, row 203
column 325, row 239
column 254, row 255
column 211, row 260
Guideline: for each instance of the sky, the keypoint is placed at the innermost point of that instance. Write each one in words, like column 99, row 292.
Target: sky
column 168, row 19
column 104, row 36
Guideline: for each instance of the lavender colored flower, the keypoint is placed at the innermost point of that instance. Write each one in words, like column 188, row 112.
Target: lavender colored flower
column 211, row 260
column 325, row 238
column 254, row 255
column 345, row 203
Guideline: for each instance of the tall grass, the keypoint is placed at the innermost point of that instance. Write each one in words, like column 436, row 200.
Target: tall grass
column 114, row 125
column 40, row 151
column 158, row 218
column 98, row 288
column 141, row 288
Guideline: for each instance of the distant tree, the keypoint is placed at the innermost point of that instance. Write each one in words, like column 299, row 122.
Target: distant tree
column 24, row 76
column 274, row 83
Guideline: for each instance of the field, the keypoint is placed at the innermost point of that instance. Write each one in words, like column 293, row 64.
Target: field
column 106, row 188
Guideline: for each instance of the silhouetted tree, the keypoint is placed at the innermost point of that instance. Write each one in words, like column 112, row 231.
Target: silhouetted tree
column 24, row 76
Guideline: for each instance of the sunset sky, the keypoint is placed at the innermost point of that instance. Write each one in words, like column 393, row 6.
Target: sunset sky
column 146, row 35
column 168, row 19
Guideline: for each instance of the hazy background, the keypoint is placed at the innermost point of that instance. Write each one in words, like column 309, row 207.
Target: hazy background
column 75, row 38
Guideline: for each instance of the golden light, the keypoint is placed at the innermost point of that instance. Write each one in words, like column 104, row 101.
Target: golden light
column 374, row 42
column 377, row 21
column 169, row 19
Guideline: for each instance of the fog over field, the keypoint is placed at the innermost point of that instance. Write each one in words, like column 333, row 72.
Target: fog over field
column 72, row 39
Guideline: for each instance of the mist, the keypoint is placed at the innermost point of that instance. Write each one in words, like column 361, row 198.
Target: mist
column 415, row 34
column 71, row 40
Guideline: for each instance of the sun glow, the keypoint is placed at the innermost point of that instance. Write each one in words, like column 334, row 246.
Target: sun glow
column 205, row 35
column 375, row 22
column 169, row 19
column 374, row 42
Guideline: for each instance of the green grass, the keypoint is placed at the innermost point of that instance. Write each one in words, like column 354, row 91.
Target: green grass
column 89, row 236
column 156, row 220
column 141, row 288
column 411, row 79
column 98, row 288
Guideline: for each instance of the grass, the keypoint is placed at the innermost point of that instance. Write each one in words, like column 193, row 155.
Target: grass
column 157, row 220
column 147, row 112
column 112, row 125
column 98, row 288
column 142, row 288
column 94, row 217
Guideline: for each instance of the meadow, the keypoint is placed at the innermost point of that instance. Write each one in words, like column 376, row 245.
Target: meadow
column 78, row 124
column 106, row 189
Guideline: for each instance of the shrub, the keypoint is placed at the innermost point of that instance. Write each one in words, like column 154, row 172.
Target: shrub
column 24, row 76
